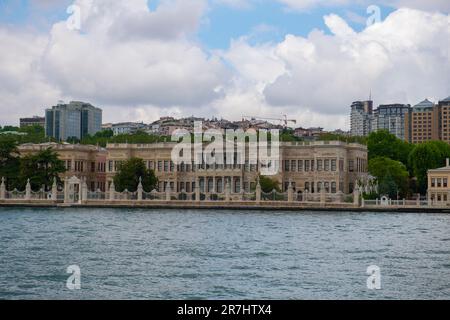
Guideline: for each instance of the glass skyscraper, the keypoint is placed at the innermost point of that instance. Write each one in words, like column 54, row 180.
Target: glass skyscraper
column 73, row 120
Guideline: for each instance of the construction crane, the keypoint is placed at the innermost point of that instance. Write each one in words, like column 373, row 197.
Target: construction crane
column 284, row 120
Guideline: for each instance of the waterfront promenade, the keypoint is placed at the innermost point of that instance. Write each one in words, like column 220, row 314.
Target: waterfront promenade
column 76, row 194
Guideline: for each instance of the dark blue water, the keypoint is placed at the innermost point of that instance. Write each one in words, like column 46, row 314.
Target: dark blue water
column 184, row 254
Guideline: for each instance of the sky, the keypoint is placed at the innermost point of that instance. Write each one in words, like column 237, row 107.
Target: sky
column 139, row 60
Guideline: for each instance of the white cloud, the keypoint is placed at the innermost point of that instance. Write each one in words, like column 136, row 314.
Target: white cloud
column 398, row 60
column 124, row 55
column 138, row 65
column 315, row 78
column 429, row 5
column 23, row 90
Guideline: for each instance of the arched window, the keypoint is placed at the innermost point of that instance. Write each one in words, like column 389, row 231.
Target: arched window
column 219, row 187
column 237, row 185
column 210, row 185
column 319, row 187
column 333, row 187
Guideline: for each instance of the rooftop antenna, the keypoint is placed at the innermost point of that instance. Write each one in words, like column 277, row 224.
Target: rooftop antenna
column 370, row 95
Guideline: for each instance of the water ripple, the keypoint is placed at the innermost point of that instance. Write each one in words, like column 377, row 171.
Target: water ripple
column 186, row 254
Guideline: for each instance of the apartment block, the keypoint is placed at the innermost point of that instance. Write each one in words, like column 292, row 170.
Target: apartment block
column 428, row 121
column 391, row 117
column 422, row 124
column 361, row 118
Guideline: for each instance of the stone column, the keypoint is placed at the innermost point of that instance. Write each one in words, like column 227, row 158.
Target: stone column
column 54, row 191
column 28, row 190
column 197, row 189
column 112, row 191
column 3, row 189
column 227, row 191
column 356, row 197
column 139, row 190
column 84, row 191
column 66, row 190
column 241, row 183
column 340, row 196
column 323, row 195
column 258, row 192
column 290, row 192
column 168, row 192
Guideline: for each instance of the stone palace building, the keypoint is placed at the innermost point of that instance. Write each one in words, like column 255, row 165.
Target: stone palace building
column 335, row 166
column 309, row 166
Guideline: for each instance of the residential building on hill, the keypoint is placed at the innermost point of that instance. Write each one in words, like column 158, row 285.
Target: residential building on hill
column 34, row 121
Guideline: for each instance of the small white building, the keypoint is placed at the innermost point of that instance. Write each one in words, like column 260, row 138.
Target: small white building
column 127, row 127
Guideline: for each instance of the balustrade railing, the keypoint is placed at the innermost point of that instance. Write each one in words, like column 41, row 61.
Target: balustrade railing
column 80, row 194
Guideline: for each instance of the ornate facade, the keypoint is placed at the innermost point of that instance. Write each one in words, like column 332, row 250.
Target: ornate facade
column 84, row 162
column 334, row 166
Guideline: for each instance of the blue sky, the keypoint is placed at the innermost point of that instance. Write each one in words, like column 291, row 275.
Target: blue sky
column 212, row 58
column 264, row 21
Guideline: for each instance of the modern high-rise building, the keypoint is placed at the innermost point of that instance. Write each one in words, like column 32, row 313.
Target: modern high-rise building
column 364, row 119
column 361, row 118
column 444, row 121
column 391, row 117
column 422, row 123
column 73, row 120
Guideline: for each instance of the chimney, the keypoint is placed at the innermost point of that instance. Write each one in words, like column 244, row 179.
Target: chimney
column 448, row 162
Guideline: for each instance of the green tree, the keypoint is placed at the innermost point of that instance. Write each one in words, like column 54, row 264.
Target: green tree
column 384, row 144
column 29, row 134
column 129, row 173
column 388, row 186
column 392, row 176
column 268, row 184
column 41, row 168
column 426, row 156
column 9, row 162
column 73, row 140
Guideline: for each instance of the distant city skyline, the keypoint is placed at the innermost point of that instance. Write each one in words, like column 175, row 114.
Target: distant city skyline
column 140, row 60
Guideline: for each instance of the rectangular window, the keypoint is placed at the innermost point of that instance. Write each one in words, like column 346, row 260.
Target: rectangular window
column 293, row 165
column 445, row 182
column 306, row 165
column 287, row 165
column 327, row 165
column 166, row 166
column 319, row 165
column 351, row 166
column 160, row 166
column 300, row 165
column 333, row 165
